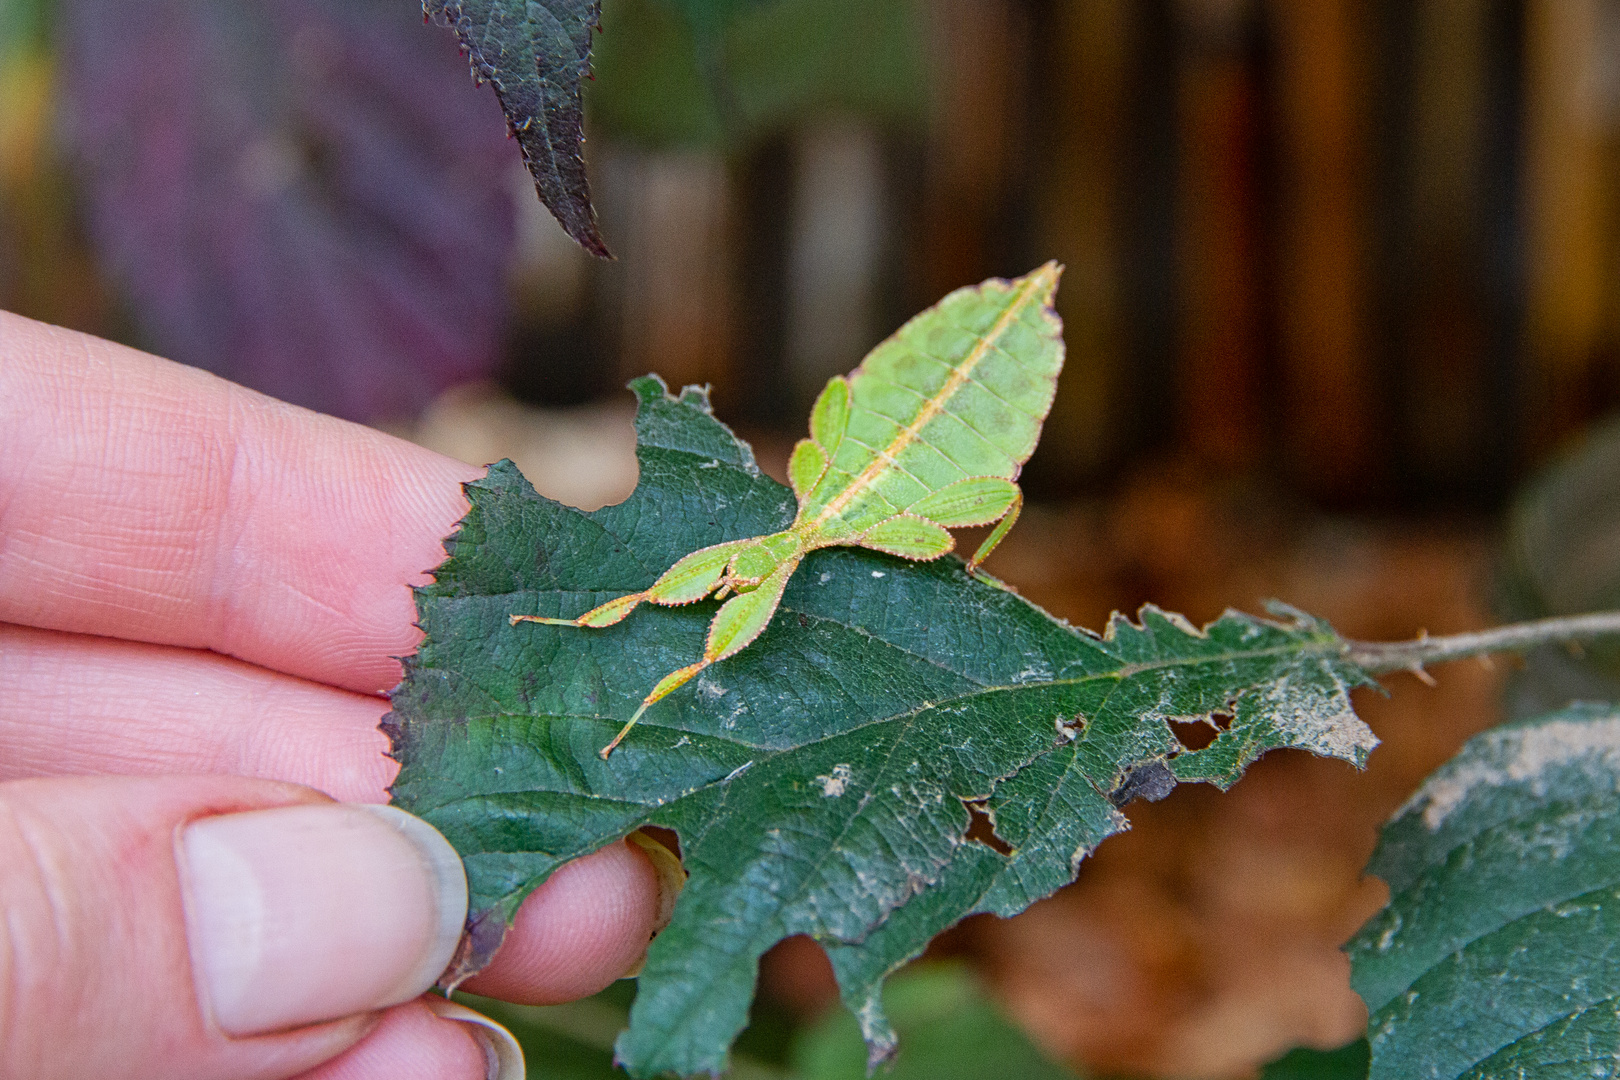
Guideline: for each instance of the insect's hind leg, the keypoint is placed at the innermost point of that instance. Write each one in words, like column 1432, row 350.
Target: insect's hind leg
column 999, row 533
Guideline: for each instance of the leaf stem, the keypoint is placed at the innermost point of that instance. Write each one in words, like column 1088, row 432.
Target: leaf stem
column 1378, row 657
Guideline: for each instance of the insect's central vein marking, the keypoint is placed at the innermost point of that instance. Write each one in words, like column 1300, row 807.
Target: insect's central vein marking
column 936, row 404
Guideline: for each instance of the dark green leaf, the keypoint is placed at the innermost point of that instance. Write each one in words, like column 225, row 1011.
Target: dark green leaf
column 951, row 1029
column 536, row 54
column 1499, row 953
column 819, row 781
column 1345, row 1063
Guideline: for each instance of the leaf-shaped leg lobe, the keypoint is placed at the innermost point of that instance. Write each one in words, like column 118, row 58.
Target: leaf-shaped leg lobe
column 694, row 576
column 667, row 685
column 977, row 500
column 910, row 537
column 604, row 615
column 744, row 617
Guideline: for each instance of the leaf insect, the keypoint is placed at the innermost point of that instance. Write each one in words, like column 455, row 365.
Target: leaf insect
column 927, row 434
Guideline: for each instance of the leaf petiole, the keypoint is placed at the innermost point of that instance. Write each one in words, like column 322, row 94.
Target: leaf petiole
column 1380, row 657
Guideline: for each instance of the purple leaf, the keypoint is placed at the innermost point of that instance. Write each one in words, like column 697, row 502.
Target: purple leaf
column 306, row 196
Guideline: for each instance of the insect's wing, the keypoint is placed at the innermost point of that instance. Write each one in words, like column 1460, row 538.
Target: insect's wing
column 960, row 391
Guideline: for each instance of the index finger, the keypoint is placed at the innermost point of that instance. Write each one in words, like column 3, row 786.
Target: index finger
column 145, row 500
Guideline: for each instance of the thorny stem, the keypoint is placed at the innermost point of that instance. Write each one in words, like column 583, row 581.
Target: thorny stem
column 1383, row 656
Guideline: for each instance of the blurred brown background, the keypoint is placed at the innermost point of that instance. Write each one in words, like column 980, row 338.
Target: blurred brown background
column 1339, row 274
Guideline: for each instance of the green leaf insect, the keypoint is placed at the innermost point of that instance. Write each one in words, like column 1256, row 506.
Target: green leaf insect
column 927, row 435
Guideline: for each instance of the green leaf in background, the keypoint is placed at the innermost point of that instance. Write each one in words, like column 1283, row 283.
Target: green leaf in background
column 1346, row 1063
column 22, row 27
column 1499, row 953
column 536, row 54
column 1561, row 556
column 717, row 73
column 574, row 1041
column 951, row 1031
column 821, row 781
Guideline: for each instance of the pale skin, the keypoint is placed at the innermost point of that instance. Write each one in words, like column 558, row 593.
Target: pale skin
column 201, row 592
column 751, row 574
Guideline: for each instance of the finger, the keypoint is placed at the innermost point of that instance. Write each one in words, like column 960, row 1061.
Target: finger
column 71, row 704
column 145, row 500
column 588, row 925
column 410, row 1044
column 76, row 704
column 208, row 926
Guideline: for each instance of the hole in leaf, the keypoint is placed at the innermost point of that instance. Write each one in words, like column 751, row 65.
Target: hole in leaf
column 981, row 830
column 664, row 836
column 1152, row 780
column 1197, row 734
column 795, row 977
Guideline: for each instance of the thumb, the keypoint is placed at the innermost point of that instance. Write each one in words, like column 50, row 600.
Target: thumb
column 209, row 926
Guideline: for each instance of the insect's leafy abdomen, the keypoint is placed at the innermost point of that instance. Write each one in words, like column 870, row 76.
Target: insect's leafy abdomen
column 960, row 391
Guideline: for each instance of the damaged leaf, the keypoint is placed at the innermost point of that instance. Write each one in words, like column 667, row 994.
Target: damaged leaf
column 819, row 781
column 1499, row 952
column 927, row 435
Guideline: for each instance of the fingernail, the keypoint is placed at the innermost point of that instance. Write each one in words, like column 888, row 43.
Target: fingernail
column 669, row 871
column 308, row 913
column 671, row 876
column 502, row 1052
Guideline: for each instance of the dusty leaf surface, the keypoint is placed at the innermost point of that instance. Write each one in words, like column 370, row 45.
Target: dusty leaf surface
column 1499, row 952
column 821, row 780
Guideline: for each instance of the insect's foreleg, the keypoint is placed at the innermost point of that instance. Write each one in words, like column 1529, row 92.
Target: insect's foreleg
column 689, row 580
column 738, row 622
column 605, row 615
column 999, row 533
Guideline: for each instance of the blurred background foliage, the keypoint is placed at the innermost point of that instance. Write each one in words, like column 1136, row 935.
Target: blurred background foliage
column 1364, row 251
column 1340, row 274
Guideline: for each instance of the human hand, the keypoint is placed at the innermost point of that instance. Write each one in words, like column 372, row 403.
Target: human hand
column 201, row 593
